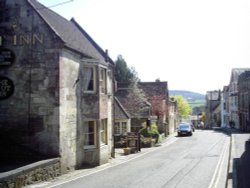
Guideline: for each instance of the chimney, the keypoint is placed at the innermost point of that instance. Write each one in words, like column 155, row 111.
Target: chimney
column 106, row 55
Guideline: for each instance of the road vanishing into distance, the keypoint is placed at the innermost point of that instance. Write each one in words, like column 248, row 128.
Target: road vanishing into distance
column 198, row 161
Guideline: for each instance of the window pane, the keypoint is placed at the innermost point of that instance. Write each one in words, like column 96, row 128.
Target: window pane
column 88, row 78
column 91, row 126
column 124, row 127
column 103, row 80
column 117, row 128
column 103, row 131
column 89, row 135
column 91, row 85
column 91, row 139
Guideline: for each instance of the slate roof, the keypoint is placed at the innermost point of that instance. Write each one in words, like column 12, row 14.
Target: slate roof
column 213, row 95
column 236, row 73
column 245, row 75
column 70, row 32
column 120, row 112
column 154, row 88
column 133, row 104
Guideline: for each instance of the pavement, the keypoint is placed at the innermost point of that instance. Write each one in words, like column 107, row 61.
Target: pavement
column 239, row 161
column 119, row 159
column 238, row 164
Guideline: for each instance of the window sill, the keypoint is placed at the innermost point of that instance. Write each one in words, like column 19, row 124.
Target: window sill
column 89, row 147
column 89, row 92
column 104, row 145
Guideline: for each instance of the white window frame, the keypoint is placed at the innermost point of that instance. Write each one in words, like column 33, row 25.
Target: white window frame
column 117, row 129
column 86, row 133
column 119, row 125
column 103, row 80
column 86, row 77
column 109, row 82
column 104, row 131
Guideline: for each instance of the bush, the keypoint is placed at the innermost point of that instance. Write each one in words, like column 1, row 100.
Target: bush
column 153, row 132
column 145, row 132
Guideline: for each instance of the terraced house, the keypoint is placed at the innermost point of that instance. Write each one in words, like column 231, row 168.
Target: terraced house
column 56, row 93
column 158, row 96
column 233, row 96
column 244, row 100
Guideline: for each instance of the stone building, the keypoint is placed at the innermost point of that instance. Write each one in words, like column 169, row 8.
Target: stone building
column 56, row 93
column 173, row 119
column 122, row 123
column 213, row 117
column 135, row 103
column 225, row 107
column 244, row 100
column 233, row 95
column 157, row 95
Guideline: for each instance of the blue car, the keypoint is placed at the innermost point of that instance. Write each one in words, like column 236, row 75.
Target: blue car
column 185, row 129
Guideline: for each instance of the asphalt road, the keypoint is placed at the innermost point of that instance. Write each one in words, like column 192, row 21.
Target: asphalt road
column 184, row 162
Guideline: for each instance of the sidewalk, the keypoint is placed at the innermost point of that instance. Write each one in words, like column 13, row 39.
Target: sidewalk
column 238, row 166
column 239, row 163
column 119, row 159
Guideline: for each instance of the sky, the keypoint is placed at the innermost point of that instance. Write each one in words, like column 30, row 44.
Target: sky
column 191, row 44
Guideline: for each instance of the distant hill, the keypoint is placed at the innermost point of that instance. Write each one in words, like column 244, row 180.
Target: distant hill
column 194, row 99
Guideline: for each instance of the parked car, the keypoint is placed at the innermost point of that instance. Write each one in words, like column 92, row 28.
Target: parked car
column 185, row 129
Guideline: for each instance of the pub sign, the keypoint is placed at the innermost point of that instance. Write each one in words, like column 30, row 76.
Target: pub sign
column 6, row 87
column 7, row 57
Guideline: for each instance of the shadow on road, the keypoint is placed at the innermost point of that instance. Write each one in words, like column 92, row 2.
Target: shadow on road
column 242, row 165
column 240, row 174
column 240, row 157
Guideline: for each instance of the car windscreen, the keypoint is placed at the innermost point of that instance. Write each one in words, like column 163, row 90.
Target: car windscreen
column 184, row 126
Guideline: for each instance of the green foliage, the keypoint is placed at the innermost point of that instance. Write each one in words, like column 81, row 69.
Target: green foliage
column 188, row 95
column 122, row 72
column 154, row 129
column 184, row 109
column 155, row 132
column 145, row 132
column 197, row 103
column 150, row 132
column 203, row 116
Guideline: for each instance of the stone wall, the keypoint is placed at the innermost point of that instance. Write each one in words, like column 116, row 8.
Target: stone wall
column 31, row 115
column 69, row 108
column 48, row 106
column 33, row 173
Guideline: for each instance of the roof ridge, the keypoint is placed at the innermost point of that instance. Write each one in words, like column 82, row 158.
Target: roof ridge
column 70, row 33
column 31, row 3
column 121, row 106
column 72, row 20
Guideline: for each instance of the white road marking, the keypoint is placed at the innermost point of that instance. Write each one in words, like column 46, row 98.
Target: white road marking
column 218, row 169
column 64, row 182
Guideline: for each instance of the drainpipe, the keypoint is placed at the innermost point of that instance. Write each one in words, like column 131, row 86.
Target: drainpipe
column 31, row 59
column 113, row 109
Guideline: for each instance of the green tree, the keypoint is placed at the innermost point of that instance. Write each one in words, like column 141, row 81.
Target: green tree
column 203, row 116
column 123, row 73
column 184, row 108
